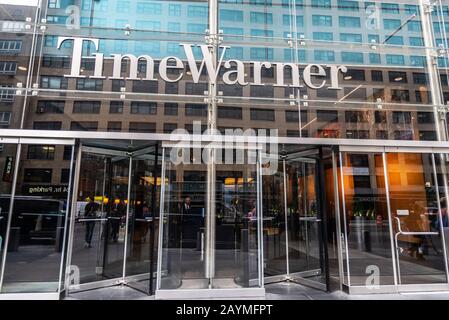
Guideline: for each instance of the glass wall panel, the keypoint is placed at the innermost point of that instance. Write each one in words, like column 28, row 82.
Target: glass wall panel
column 366, row 219
column 7, row 163
column 38, row 223
column 416, row 218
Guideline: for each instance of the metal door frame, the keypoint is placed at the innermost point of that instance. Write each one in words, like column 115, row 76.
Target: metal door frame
column 397, row 286
column 124, row 278
column 210, row 292
column 301, row 276
column 19, row 142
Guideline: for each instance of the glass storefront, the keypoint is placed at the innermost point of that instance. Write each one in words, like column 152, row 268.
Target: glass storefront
column 210, row 147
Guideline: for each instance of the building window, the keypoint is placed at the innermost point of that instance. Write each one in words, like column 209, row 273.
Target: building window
column 261, row 91
column 229, row 112
column 231, row 15
column 171, row 88
column 397, row 76
column 327, row 116
column 10, row 46
column 400, row 95
column 8, row 67
column 349, row 22
column 262, row 114
column 41, row 152
column 174, row 10
column 89, row 84
column 50, row 107
column 380, row 117
column 195, row 88
column 357, row 134
column 145, row 127
column 390, row 8
column 47, row 125
column 323, row 36
column 392, row 24
column 395, row 59
column 170, row 109
column 356, row 57
column 321, row 4
column 7, row 93
column 351, row 37
column 114, row 126
column 37, row 175
column 54, row 82
column 65, row 176
column 428, row 135
column 92, row 107
column 377, row 76
column 324, row 55
column 261, row 17
column 321, row 21
column 423, row 96
column 197, row 11
column 402, row 117
column 67, row 154
column 356, row 116
column 149, row 8
column 196, row 110
column 84, row 126
column 143, row 107
column 425, row 117
column 347, row 5
column 170, row 127
column 420, row 78
column 55, row 62
column 403, row 135
column 116, row 107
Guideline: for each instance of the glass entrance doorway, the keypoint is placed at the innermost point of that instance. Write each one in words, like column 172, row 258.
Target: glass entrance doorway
column 295, row 240
column 211, row 223
column 114, row 219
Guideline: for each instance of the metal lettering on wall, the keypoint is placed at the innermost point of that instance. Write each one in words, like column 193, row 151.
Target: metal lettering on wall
column 313, row 76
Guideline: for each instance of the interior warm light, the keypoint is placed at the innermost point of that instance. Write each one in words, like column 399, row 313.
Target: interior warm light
column 347, row 77
column 22, row 68
column 116, row 201
column 398, row 79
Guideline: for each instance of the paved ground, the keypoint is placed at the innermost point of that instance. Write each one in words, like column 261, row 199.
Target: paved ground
column 277, row 291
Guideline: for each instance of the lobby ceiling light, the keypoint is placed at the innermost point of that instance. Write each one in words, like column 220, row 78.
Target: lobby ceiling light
column 22, row 68
column 347, row 77
column 398, row 79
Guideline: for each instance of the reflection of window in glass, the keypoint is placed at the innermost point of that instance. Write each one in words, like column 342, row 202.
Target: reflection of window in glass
column 86, row 107
column 260, row 17
column 262, row 114
column 171, row 87
column 47, row 125
column 10, row 46
column 195, row 88
column 414, row 26
column 5, row 118
column 231, row 90
column 322, row 4
column 322, row 21
column 411, row 9
column 170, row 127
column 262, row 92
column 357, row 134
column 359, row 160
column 197, row 110
column 138, row 107
column 391, row 24
column 347, row 5
column 50, row 106
column 231, row 15
column 381, row 135
column 394, row 178
column 65, row 176
column 443, row 78
column 415, row 178
column 374, row 58
column 356, row 74
column 416, row 41
column 400, row 95
column 349, row 22
column 262, row 53
column 8, row 67
column 417, row 61
column 67, row 154
column 395, row 40
column 293, row 116
column 327, row 116
column 354, row 93
column 145, row 86
column 55, row 62
column 402, row 117
column 41, row 152
column 377, row 76
column 380, row 116
column 84, row 126
column 390, row 8
column 373, row 38
column 116, row 107
column 189, row 128
column 123, row 6
column 286, row 19
column 142, row 127
column 229, row 112
column 420, row 78
column 351, row 37
column 174, row 10
column 362, row 182
column 89, row 84
column 427, row 135
column 395, row 59
column 423, row 96
column 425, row 117
column 356, row 116
column 170, row 109
column 323, row 36
column 6, row 93
column 325, row 93
column 197, row 11
column 397, row 76
column 403, row 135
column 114, row 126
column 37, row 175
column 149, row 8
column 328, row 133
column 324, row 55
column 54, row 82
